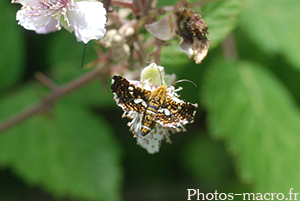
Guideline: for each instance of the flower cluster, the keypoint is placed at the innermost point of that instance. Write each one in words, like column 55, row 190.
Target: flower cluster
column 86, row 18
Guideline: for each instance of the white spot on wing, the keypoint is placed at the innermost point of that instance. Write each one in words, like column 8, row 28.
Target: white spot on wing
column 144, row 104
column 130, row 88
column 151, row 112
column 167, row 112
column 138, row 100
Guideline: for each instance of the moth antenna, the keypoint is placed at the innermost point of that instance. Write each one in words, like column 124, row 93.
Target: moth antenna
column 160, row 75
column 185, row 80
column 83, row 57
column 161, row 78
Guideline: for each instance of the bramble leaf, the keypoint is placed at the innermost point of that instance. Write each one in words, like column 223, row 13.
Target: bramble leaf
column 267, row 23
column 255, row 115
column 68, row 150
column 221, row 18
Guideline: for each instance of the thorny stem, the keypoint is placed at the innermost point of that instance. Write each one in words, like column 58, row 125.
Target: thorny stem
column 57, row 93
column 46, row 81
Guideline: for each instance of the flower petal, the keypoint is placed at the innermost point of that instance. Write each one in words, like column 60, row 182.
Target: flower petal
column 88, row 20
column 153, row 74
column 197, row 47
column 49, row 27
column 31, row 22
column 163, row 29
column 152, row 141
column 200, row 48
column 31, row 18
column 186, row 47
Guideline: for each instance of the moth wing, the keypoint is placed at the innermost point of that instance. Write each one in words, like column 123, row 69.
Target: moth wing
column 128, row 96
column 175, row 114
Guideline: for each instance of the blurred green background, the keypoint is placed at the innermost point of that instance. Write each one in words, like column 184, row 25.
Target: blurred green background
column 245, row 137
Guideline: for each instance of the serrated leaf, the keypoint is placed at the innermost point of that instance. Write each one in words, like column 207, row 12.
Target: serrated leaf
column 273, row 25
column 70, row 151
column 221, row 17
column 12, row 47
column 254, row 114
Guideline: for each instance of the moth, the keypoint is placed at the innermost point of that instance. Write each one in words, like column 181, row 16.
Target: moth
column 156, row 106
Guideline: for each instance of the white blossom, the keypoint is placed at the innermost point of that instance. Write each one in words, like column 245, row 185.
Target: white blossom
column 152, row 141
column 86, row 18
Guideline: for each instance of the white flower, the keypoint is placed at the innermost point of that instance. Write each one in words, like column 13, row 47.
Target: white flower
column 152, row 77
column 86, row 18
column 152, row 141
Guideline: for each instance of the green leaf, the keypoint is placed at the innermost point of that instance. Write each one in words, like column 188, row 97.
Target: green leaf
column 207, row 160
column 255, row 115
column 166, row 3
column 221, row 17
column 273, row 25
column 12, row 46
column 70, row 151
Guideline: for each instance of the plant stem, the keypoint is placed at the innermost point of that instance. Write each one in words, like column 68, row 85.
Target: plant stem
column 50, row 99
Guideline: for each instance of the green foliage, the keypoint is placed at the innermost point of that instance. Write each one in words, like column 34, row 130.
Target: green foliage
column 221, row 18
column 12, row 47
column 68, row 150
column 206, row 167
column 245, row 137
column 65, row 55
column 260, row 123
column 273, row 25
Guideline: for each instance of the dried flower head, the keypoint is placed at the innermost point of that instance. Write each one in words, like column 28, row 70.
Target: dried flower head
column 192, row 29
